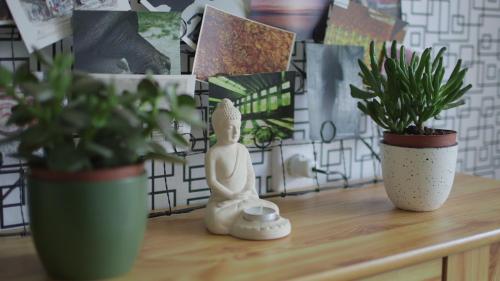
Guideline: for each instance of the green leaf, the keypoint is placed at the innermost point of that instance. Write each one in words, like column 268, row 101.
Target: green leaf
column 192, row 119
column 86, row 84
column 424, row 61
column 157, row 151
column 23, row 74
column 6, row 78
column 98, row 149
column 164, row 123
column 373, row 59
column 454, row 104
column 394, row 50
column 148, row 89
column 128, row 116
column 156, row 147
column 33, row 139
column 43, row 59
column 166, row 157
column 402, row 57
column 75, row 118
column 186, row 100
column 178, row 139
column 172, row 98
column 438, row 60
column 456, row 69
column 360, row 94
column 21, row 116
column 67, row 158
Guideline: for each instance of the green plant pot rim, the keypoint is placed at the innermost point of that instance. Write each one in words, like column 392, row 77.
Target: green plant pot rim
column 110, row 174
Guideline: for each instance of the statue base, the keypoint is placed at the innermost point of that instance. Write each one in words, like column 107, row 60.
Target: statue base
column 260, row 230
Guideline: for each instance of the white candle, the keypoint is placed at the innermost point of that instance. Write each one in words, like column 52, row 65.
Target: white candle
column 261, row 214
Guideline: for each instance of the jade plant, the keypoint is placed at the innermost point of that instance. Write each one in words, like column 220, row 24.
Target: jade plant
column 409, row 93
column 71, row 122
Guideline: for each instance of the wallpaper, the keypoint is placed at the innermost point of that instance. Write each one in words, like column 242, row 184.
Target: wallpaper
column 469, row 29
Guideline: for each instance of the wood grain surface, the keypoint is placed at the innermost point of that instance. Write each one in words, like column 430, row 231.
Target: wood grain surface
column 494, row 266
column 427, row 271
column 336, row 235
column 471, row 265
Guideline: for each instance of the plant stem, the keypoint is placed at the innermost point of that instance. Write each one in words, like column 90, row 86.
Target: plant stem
column 420, row 128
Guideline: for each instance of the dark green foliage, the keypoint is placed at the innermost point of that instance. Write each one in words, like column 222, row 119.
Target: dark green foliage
column 408, row 93
column 73, row 122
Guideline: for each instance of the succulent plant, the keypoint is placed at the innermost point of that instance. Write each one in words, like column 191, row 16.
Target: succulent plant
column 70, row 122
column 409, row 93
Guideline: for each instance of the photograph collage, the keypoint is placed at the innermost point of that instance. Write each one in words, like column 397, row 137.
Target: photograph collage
column 243, row 51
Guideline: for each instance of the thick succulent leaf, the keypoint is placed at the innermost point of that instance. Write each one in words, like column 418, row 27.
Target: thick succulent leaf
column 438, row 60
column 409, row 92
column 394, row 50
column 360, row 94
column 454, row 104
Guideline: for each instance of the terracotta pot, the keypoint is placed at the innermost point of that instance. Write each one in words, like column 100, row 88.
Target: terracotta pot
column 88, row 225
column 419, row 170
column 448, row 138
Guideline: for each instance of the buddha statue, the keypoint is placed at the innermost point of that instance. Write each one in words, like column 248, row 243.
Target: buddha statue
column 231, row 178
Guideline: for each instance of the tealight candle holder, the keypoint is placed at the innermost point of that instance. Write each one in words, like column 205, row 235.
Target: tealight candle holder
column 260, row 214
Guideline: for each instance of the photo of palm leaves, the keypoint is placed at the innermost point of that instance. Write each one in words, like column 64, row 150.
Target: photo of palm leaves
column 265, row 100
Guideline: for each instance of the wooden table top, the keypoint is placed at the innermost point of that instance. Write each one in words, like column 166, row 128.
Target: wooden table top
column 336, row 235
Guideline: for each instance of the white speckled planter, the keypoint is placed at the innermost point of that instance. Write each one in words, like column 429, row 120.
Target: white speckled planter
column 418, row 179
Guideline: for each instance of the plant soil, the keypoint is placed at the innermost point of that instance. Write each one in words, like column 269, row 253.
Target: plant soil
column 412, row 130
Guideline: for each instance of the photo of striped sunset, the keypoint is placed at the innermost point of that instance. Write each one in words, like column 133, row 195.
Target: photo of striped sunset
column 306, row 18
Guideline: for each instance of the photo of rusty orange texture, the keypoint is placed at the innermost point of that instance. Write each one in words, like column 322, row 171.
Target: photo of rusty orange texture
column 230, row 45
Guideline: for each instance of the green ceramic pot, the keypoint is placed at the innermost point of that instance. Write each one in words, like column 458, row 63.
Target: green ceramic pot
column 88, row 225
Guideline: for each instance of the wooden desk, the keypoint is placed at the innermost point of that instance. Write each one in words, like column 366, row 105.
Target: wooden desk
column 336, row 235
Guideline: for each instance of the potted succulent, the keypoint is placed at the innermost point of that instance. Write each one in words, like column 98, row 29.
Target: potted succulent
column 85, row 145
column 418, row 163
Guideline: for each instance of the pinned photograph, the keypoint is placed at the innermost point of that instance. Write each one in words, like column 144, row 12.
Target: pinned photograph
column 42, row 23
column 101, row 5
column 306, row 18
column 166, row 5
column 5, row 16
column 391, row 8
column 266, row 103
column 6, row 105
column 192, row 13
column 333, row 113
column 358, row 25
column 126, row 42
column 180, row 84
column 231, row 45
column 388, row 7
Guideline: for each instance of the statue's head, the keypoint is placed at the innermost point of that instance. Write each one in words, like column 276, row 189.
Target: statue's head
column 226, row 121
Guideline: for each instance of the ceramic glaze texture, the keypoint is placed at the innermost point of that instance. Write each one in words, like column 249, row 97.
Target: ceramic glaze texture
column 418, row 179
